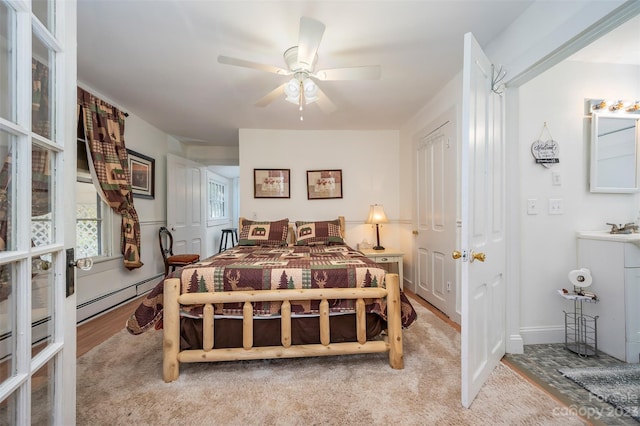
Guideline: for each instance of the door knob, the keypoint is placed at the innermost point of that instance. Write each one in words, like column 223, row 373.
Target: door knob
column 457, row 254
column 415, row 232
column 478, row 256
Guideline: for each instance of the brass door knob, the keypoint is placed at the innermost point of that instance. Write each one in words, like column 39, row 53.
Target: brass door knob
column 478, row 256
column 456, row 254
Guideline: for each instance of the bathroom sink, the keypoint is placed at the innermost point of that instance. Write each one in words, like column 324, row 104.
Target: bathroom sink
column 607, row 236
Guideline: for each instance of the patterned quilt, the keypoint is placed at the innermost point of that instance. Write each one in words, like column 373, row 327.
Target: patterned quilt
column 269, row 268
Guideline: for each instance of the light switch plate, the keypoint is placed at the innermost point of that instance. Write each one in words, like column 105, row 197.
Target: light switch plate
column 555, row 206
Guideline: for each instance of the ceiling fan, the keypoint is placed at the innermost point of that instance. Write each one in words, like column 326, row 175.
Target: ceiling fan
column 302, row 88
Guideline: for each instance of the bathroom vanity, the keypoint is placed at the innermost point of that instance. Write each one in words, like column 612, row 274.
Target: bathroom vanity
column 614, row 262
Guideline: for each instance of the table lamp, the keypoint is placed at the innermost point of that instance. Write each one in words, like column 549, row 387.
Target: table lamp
column 377, row 216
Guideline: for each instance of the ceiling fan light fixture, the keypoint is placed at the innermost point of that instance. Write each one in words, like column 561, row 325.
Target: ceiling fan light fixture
column 301, row 65
column 292, row 90
column 310, row 90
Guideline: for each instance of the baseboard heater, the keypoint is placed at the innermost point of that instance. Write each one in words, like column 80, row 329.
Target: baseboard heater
column 95, row 307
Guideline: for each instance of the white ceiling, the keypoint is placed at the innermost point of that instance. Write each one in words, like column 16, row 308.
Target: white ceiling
column 158, row 59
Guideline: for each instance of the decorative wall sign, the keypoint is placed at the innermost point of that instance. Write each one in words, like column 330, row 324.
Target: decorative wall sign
column 545, row 151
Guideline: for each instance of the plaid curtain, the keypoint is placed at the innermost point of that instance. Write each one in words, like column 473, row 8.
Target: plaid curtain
column 104, row 135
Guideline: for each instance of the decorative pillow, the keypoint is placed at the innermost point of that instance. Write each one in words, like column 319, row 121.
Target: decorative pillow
column 255, row 233
column 324, row 232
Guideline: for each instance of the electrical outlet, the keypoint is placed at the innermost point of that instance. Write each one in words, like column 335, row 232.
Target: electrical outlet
column 555, row 206
column 532, row 206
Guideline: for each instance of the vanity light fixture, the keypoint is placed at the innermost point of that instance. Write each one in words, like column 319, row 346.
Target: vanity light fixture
column 614, row 106
column 618, row 105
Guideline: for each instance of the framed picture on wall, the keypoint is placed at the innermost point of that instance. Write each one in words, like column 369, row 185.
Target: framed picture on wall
column 143, row 175
column 271, row 183
column 323, row 184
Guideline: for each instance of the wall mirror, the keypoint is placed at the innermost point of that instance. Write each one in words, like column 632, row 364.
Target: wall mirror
column 614, row 147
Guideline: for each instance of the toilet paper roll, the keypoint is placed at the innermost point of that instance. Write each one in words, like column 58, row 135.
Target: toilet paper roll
column 580, row 277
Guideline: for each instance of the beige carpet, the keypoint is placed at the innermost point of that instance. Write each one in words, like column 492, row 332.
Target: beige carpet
column 120, row 383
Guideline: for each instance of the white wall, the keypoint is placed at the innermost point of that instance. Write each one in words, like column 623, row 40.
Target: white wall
column 369, row 162
column 548, row 242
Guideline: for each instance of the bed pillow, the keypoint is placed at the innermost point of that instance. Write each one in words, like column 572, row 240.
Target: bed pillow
column 254, row 233
column 314, row 233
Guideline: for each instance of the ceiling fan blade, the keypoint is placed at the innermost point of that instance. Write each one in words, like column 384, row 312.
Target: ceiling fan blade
column 311, row 32
column 324, row 103
column 353, row 73
column 271, row 96
column 254, row 65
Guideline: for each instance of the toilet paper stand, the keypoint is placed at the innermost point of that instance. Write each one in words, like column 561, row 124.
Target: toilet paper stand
column 580, row 330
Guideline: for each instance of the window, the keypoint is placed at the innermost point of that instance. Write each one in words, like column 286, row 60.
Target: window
column 89, row 220
column 93, row 216
column 217, row 194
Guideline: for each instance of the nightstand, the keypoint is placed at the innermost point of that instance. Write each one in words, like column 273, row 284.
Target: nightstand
column 387, row 256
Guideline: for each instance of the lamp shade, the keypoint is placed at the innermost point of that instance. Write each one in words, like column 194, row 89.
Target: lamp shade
column 376, row 214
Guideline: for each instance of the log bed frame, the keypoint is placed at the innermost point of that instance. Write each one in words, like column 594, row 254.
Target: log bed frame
column 173, row 356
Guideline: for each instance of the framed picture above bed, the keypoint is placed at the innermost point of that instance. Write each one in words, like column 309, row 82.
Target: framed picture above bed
column 143, row 174
column 271, row 183
column 323, row 184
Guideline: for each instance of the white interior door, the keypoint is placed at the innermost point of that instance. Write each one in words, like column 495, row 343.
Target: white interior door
column 186, row 204
column 436, row 160
column 483, row 223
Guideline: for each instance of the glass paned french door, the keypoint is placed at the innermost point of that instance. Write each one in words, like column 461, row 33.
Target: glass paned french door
column 36, row 375
column 7, row 62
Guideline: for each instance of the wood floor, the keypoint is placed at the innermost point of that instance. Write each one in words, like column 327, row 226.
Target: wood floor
column 99, row 329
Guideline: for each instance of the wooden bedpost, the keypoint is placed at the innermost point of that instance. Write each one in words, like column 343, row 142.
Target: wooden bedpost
column 394, row 321
column 171, row 330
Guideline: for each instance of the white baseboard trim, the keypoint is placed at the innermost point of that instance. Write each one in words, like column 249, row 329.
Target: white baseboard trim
column 541, row 335
column 514, row 344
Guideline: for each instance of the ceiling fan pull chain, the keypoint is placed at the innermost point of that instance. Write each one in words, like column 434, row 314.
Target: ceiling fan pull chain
column 301, row 100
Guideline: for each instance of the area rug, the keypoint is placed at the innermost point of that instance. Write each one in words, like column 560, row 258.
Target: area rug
column 120, row 383
column 617, row 385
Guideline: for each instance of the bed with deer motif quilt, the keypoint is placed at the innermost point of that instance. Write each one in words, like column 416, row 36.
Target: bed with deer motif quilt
column 273, row 268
